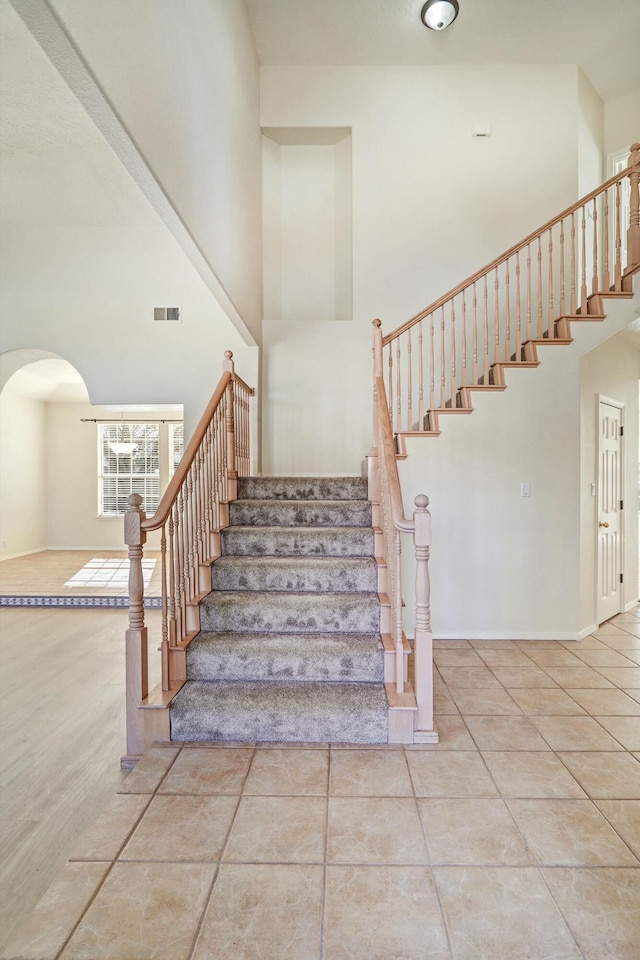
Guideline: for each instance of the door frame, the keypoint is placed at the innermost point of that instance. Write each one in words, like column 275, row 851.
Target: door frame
column 619, row 405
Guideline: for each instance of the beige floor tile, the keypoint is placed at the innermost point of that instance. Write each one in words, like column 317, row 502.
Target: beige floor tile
column 471, row 831
column 450, row 774
column 607, row 703
column 201, row 770
column 603, row 658
column 634, row 694
column 543, row 702
column 505, row 733
column 601, row 908
column 531, row 774
column 453, row 734
column 531, row 676
column 364, row 920
column 624, row 816
column 443, row 703
column 502, row 913
column 578, row 677
column 144, row 910
column 107, row 835
column 612, row 628
column 275, row 771
column 148, row 773
column 258, row 912
column 511, row 657
column 463, row 678
column 369, row 773
column 633, row 655
column 375, row 830
column 56, row 914
column 182, row 828
column 588, row 643
column 626, row 730
column 605, row 776
column 574, row 733
column 451, row 644
column 560, row 657
column 278, row 830
column 622, row 676
column 570, row 833
column 456, row 657
column 485, row 702
column 623, row 642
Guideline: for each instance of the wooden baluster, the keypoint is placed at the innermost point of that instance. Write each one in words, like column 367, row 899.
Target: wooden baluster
column 172, row 579
column 443, row 375
column 474, row 371
column 421, row 410
column 518, row 310
column 397, row 613
column 563, row 303
column 583, row 286
column 594, row 281
column 464, row 339
column 633, row 233
column 529, row 296
column 432, row 365
column 231, row 469
column 496, row 307
column 606, row 275
column 182, row 593
column 552, row 309
column 164, row 643
column 410, row 423
column 485, row 373
column 454, row 372
column 391, row 410
column 618, row 240
column 137, row 667
column 423, row 639
column 573, row 281
column 398, row 387
column 377, row 371
column 507, row 345
column 540, row 294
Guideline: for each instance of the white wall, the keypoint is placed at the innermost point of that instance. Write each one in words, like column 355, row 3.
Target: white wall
column 612, row 369
column 23, row 520
column 622, row 121
column 590, row 137
column 430, row 205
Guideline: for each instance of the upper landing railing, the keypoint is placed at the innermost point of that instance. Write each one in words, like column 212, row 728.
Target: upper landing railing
column 519, row 297
column 190, row 516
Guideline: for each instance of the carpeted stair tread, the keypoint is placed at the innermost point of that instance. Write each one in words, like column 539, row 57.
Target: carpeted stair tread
column 272, row 656
column 280, row 712
column 300, row 574
column 298, row 541
column 300, row 513
column 302, row 488
column 290, row 612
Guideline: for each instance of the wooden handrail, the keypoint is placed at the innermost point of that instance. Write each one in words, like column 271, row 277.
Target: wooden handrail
column 521, row 245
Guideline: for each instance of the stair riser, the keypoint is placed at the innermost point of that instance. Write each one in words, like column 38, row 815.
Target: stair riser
column 287, row 542
column 290, row 613
column 286, row 513
column 302, row 488
column 300, row 576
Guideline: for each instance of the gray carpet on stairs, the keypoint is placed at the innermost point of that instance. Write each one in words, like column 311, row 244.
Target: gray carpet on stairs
column 290, row 647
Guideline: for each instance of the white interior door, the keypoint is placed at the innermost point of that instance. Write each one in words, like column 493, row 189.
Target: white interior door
column 609, row 601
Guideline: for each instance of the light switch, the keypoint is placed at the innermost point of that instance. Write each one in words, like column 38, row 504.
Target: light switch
column 525, row 489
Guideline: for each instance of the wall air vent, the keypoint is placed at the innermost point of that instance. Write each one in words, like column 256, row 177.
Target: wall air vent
column 166, row 314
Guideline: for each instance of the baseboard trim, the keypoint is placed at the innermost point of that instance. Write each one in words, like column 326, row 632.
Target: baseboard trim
column 514, row 635
column 587, row 631
column 630, row 605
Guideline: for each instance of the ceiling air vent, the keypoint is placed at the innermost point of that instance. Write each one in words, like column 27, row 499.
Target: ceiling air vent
column 166, row 314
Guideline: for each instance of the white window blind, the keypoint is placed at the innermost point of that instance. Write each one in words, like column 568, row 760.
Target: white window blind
column 176, row 446
column 129, row 462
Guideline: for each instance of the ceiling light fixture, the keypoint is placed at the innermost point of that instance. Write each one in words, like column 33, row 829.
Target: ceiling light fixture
column 439, row 14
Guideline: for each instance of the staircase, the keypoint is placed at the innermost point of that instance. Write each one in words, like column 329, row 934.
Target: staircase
column 290, row 647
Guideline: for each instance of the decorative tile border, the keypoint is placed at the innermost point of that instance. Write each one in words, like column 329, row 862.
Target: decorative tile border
column 151, row 603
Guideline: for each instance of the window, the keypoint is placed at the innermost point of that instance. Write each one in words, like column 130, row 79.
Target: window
column 129, row 462
column 176, row 446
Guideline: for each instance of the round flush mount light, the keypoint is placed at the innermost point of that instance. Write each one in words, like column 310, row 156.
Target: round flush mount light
column 439, row 14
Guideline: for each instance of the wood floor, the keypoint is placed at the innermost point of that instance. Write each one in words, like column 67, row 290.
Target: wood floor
column 56, row 772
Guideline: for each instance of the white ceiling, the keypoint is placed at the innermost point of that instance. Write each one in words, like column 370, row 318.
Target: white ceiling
column 602, row 36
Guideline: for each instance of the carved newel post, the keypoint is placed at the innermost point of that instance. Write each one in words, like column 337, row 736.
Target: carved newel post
column 423, row 652
column 137, row 680
column 633, row 233
column 232, row 473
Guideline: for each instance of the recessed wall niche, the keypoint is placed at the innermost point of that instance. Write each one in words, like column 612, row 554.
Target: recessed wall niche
column 307, row 221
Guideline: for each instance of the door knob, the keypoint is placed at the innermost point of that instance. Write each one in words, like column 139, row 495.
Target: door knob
column 603, row 523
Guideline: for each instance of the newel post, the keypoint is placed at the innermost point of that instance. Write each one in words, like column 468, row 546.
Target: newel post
column 633, row 233
column 423, row 639
column 232, row 473
column 137, row 680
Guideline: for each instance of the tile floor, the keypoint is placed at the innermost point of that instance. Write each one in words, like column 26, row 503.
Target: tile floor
column 517, row 837
column 58, row 573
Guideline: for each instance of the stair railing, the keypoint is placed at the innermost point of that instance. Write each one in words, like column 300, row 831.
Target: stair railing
column 522, row 296
column 387, row 496
column 190, row 515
